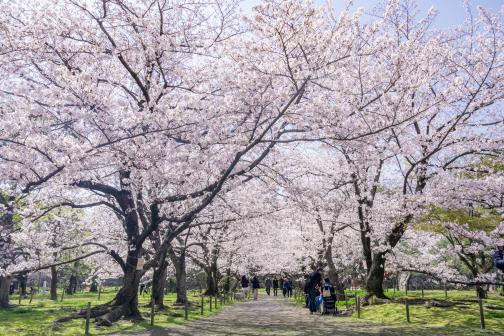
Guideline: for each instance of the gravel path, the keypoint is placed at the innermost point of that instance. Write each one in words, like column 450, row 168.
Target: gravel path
column 270, row 316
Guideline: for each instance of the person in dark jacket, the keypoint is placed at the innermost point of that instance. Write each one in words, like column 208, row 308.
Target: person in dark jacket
column 314, row 290
column 498, row 258
column 245, row 286
column 291, row 287
column 255, row 287
column 306, row 289
column 267, row 284
column 285, row 288
column 275, row 286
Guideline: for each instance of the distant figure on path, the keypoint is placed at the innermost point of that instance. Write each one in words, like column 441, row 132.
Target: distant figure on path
column 267, row 284
column 287, row 288
column 314, row 290
column 255, row 286
column 291, row 287
column 275, row 286
column 245, row 286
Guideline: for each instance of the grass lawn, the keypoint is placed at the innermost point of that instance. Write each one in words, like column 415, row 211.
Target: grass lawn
column 457, row 320
column 36, row 319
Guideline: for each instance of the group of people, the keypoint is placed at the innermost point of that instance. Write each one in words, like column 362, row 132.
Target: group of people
column 285, row 284
column 246, row 288
column 317, row 290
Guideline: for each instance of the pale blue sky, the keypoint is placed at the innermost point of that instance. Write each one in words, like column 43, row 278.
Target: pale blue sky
column 451, row 12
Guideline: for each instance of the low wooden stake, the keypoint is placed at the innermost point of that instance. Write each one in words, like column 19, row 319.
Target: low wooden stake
column 202, row 304
column 88, row 316
column 186, row 310
column 482, row 313
column 357, row 304
column 210, row 303
column 407, row 310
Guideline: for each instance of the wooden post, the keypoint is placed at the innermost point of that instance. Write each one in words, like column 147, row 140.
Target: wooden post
column 210, row 297
column 422, row 290
column 186, row 311
column 407, row 310
column 88, row 316
column 482, row 313
column 406, row 288
column 202, row 304
column 357, row 304
column 445, row 291
column 346, row 301
column 31, row 295
column 99, row 293
column 152, row 310
column 62, row 294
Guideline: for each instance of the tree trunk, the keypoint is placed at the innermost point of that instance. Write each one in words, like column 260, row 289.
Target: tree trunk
column 211, row 289
column 125, row 302
column 72, row 285
column 158, row 284
column 404, row 279
column 374, row 281
column 5, row 282
column 54, row 283
column 22, row 280
column 481, row 293
column 333, row 273
column 180, row 275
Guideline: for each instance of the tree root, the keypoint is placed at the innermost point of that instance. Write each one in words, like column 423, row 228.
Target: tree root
column 104, row 315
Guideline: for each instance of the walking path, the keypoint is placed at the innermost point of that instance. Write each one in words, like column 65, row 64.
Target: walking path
column 274, row 316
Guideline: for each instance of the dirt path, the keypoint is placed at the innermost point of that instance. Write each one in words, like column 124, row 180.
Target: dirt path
column 271, row 316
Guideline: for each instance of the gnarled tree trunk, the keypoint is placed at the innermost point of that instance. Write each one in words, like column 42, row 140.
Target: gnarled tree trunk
column 5, row 282
column 158, row 284
column 180, row 275
column 125, row 302
column 374, row 281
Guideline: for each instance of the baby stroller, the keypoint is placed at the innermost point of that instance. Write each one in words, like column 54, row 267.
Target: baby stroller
column 327, row 301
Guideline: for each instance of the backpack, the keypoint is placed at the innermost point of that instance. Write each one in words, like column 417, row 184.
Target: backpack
column 326, row 291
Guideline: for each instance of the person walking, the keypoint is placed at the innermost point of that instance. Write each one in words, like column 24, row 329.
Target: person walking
column 306, row 289
column 290, row 287
column 286, row 288
column 245, row 286
column 314, row 290
column 255, row 287
column 267, row 284
column 275, row 286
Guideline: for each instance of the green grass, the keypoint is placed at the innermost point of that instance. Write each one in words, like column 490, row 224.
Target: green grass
column 458, row 319
column 37, row 318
